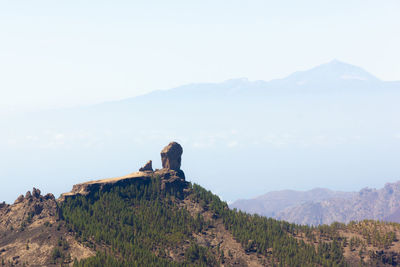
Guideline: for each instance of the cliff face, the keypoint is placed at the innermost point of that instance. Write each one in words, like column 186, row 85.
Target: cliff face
column 171, row 175
column 169, row 178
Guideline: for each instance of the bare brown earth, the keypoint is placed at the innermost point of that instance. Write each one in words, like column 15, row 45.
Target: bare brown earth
column 222, row 241
column 30, row 232
column 370, row 242
column 370, row 235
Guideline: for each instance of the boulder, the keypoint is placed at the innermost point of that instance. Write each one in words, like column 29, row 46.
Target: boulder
column 36, row 193
column 171, row 156
column 28, row 194
column 147, row 167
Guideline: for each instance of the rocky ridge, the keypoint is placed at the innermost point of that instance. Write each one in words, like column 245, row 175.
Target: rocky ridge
column 31, row 226
column 31, row 233
column 171, row 175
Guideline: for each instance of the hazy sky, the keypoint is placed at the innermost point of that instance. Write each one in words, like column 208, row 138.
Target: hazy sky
column 58, row 53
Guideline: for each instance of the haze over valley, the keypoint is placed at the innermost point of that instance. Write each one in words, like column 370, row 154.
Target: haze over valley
column 333, row 126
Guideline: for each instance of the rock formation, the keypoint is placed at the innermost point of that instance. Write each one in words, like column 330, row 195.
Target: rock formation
column 36, row 193
column 147, row 167
column 171, row 175
column 171, row 156
column 30, row 231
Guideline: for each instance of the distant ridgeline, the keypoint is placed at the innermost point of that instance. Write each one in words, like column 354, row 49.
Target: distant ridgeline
column 157, row 218
column 323, row 206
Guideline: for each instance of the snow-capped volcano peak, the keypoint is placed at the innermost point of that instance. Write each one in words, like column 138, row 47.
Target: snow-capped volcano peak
column 333, row 71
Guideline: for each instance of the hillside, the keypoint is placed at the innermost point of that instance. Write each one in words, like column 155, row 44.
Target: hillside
column 157, row 218
column 31, row 233
column 322, row 206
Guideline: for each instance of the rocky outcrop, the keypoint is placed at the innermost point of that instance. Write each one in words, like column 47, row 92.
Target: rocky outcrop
column 3, row 205
column 171, row 176
column 171, row 156
column 27, row 207
column 169, row 179
column 147, row 167
column 86, row 188
column 30, row 230
column 36, row 193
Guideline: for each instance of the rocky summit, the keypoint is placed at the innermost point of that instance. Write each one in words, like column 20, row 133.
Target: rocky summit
column 32, row 234
column 171, row 175
column 171, row 156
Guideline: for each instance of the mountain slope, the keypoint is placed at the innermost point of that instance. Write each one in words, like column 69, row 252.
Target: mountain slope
column 31, row 233
column 157, row 218
column 168, row 232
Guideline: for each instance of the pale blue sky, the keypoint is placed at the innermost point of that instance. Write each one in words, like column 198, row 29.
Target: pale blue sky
column 62, row 53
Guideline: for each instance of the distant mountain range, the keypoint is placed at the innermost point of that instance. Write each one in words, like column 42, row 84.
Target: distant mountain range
column 272, row 203
column 321, row 127
column 330, row 78
column 323, row 206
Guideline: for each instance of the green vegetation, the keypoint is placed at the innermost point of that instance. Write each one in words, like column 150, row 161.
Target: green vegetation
column 133, row 224
column 141, row 225
column 272, row 238
column 377, row 234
